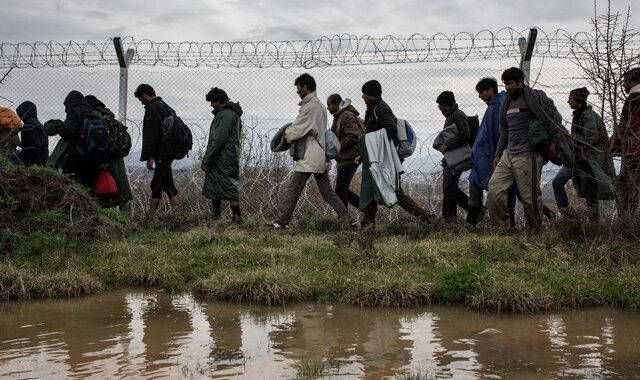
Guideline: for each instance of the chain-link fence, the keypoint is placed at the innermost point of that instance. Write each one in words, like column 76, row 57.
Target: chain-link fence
column 260, row 76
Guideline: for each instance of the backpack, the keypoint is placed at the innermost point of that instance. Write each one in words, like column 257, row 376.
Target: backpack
column 332, row 145
column 474, row 126
column 406, row 138
column 119, row 138
column 405, row 135
column 176, row 136
column 94, row 137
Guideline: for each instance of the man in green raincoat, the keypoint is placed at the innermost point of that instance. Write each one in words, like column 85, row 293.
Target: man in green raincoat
column 221, row 161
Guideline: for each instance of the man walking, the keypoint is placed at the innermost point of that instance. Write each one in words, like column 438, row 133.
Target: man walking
column 484, row 150
column 310, row 125
column 457, row 125
column 154, row 150
column 590, row 177
column 221, row 161
column 518, row 159
column 348, row 130
column 377, row 117
column 625, row 143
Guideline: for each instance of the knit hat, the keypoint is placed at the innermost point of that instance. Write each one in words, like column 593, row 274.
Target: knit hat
column 632, row 75
column 446, row 99
column 372, row 88
column 580, row 94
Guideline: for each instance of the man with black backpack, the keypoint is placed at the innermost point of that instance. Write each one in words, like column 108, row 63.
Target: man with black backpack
column 457, row 155
column 154, row 149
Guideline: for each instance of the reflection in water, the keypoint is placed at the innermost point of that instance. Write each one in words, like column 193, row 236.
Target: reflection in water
column 154, row 334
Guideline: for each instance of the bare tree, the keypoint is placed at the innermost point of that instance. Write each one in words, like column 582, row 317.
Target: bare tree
column 605, row 55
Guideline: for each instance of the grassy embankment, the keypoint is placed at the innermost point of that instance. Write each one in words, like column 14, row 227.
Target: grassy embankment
column 52, row 250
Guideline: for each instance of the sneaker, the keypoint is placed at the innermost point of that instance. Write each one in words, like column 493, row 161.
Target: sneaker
column 237, row 219
column 278, row 226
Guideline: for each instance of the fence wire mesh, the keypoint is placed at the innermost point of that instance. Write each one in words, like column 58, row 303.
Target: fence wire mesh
column 260, row 75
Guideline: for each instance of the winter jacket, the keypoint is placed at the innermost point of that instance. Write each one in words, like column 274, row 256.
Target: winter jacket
column 116, row 167
column 380, row 116
column 152, row 145
column 486, row 143
column 457, row 159
column 34, row 141
column 543, row 110
column 589, row 138
column 625, row 141
column 85, row 169
column 311, row 125
column 459, row 119
column 222, row 156
column 346, row 127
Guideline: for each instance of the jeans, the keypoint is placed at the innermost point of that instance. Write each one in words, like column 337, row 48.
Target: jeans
column 343, row 181
column 452, row 195
column 558, row 183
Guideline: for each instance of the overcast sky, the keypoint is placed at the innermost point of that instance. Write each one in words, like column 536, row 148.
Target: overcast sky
column 226, row 20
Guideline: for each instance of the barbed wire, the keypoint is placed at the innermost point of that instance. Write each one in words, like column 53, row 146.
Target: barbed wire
column 336, row 50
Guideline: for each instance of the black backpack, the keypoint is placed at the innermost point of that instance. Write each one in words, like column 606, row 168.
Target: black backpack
column 119, row 137
column 474, row 126
column 176, row 136
column 94, row 137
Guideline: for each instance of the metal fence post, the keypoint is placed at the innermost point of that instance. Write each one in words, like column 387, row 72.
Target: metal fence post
column 123, row 60
column 526, row 51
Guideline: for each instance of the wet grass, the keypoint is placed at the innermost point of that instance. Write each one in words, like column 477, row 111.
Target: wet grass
column 63, row 246
column 308, row 369
column 519, row 273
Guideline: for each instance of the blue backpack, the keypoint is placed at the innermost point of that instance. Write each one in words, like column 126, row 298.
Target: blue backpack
column 94, row 138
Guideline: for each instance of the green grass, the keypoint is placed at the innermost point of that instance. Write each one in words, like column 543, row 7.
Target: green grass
column 521, row 273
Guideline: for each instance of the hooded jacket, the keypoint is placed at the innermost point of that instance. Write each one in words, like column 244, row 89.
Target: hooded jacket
column 34, row 139
column 117, row 167
column 77, row 110
column 345, row 126
column 311, row 125
column 222, row 155
column 484, row 148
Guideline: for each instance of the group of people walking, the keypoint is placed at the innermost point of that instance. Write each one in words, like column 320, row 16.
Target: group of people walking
column 520, row 131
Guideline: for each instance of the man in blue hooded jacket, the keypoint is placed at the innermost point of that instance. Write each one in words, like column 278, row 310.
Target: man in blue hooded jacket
column 484, row 147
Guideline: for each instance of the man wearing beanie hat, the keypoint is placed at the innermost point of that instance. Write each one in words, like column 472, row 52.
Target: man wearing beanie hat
column 625, row 143
column 379, row 116
column 590, row 173
column 518, row 158
column 452, row 196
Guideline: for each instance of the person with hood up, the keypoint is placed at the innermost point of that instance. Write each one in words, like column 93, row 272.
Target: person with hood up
column 221, row 161
column 347, row 128
column 34, row 143
column 113, row 162
column 85, row 169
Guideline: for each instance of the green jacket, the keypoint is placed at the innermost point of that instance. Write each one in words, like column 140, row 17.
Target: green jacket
column 222, row 156
column 589, row 137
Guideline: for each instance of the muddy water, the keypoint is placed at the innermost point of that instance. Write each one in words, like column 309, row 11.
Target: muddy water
column 153, row 334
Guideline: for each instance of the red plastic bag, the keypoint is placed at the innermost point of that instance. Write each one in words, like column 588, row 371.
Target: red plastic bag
column 105, row 185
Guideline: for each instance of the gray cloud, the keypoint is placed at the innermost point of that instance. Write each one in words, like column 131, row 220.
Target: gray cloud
column 35, row 20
